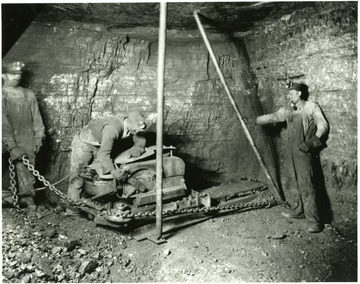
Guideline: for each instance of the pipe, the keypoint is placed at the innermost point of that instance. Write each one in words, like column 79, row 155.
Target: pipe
column 246, row 130
column 159, row 124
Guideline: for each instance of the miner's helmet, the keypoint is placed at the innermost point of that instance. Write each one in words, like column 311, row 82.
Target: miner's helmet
column 16, row 67
column 136, row 121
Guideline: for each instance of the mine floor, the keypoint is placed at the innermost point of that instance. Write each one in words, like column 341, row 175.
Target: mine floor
column 253, row 246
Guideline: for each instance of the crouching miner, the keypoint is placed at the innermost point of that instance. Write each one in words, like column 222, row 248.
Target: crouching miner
column 22, row 128
column 307, row 128
column 104, row 132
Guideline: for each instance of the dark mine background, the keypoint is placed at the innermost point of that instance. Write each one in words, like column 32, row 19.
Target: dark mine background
column 88, row 60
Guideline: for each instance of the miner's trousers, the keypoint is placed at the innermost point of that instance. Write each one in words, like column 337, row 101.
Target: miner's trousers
column 300, row 173
column 81, row 155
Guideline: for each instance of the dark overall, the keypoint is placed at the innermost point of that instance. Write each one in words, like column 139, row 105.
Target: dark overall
column 21, row 118
column 300, row 171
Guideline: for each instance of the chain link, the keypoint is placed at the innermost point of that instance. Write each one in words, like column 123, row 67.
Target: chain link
column 48, row 184
column 13, row 188
column 266, row 203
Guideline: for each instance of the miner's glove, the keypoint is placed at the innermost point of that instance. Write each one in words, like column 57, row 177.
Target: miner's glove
column 136, row 151
column 16, row 153
column 311, row 144
column 38, row 145
column 119, row 174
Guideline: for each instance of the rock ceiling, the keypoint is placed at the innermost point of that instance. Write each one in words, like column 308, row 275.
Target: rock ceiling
column 234, row 16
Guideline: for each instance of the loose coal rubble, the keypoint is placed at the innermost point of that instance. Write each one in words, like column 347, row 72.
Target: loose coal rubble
column 37, row 249
column 254, row 246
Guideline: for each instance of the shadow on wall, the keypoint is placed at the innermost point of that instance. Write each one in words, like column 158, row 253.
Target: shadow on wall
column 322, row 197
column 195, row 177
column 43, row 158
column 26, row 78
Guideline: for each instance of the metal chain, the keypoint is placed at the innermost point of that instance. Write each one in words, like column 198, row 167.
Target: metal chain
column 48, row 184
column 13, row 188
column 267, row 203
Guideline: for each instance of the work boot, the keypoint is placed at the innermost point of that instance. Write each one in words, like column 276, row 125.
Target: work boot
column 293, row 215
column 315, row 228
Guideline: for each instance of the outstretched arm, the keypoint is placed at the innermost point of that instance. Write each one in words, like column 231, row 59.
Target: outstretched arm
column 275, row 117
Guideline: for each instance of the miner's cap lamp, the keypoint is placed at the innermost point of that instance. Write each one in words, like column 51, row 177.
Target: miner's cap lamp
column 136, row 120
column 297, row 86
column 16, row 67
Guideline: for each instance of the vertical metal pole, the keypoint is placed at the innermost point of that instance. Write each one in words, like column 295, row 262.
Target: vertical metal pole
column 246, row 130
column 159, row 124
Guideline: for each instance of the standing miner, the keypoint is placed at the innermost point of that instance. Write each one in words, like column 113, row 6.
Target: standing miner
column 307, row 127
column 103, row 132
column 22, row 128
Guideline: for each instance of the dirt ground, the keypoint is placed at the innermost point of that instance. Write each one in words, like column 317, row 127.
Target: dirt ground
column 252, row 246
